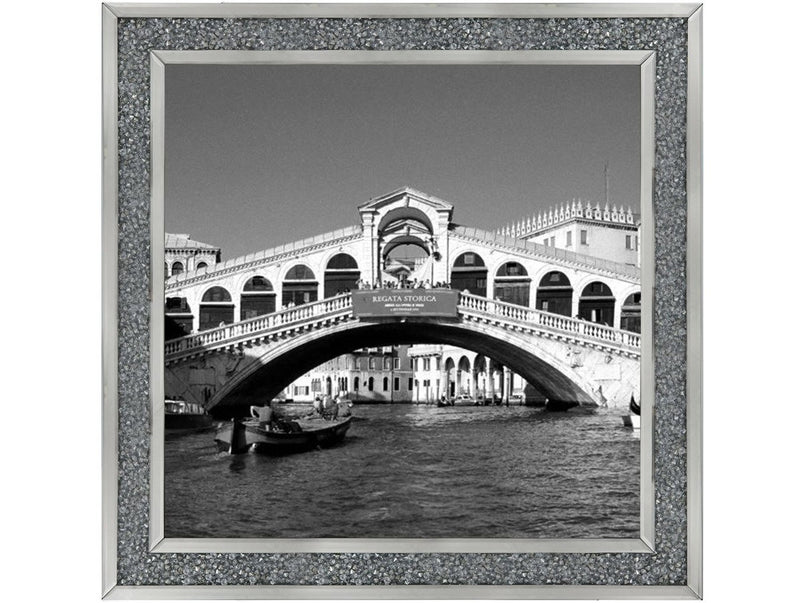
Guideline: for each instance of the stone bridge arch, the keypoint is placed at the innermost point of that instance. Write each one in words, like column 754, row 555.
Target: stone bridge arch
column 259, row 373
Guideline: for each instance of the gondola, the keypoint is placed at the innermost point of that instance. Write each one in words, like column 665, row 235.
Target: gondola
column 632, row 420
column 283, row 437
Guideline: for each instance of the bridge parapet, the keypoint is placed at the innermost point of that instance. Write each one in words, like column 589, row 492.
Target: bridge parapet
column 288, row 319
column 476, row 306
column 339, row 308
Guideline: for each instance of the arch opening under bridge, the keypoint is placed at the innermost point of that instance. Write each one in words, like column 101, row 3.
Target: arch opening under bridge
column 268, row 374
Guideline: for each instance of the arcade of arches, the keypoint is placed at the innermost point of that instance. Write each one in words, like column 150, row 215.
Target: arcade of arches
column 512, row 284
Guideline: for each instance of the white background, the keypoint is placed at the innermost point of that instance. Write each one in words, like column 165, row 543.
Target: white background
column 50, row 217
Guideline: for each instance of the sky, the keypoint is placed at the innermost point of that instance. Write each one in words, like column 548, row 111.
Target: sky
column 258, row 156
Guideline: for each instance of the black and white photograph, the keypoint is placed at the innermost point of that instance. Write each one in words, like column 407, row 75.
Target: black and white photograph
column 402, row 301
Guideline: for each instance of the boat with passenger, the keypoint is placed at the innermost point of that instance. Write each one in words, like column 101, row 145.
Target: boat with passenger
column 281, row 436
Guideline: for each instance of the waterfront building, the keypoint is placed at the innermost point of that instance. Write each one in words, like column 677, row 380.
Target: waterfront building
column 421, row 374
column 183, row 254
column 452, row 371
column 610, row 233
column 367, row 375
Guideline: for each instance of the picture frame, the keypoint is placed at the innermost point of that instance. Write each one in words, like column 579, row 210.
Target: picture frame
column 665, row 562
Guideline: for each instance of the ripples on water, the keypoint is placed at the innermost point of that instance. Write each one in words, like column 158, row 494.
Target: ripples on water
column 418, row 471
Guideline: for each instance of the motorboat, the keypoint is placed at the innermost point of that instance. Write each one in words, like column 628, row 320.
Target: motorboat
column 183, row 416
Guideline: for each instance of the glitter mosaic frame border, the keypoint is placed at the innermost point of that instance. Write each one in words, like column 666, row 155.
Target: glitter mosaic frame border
column 123, row 381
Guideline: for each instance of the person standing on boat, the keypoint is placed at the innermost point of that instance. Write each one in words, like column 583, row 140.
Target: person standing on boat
column 264, row 414
column 328, row 406
column 342, row 406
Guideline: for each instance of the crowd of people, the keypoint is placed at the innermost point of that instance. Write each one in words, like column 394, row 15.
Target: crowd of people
column 331, row 408
column 402, row 284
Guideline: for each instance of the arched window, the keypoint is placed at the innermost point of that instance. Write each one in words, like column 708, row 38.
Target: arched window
column 216, row 294
column 216, row 308
column 299, row 286
column 385, row 384
column 597, row 304
column 341, row 274
column 178, row 317
column 512, row 284
column 554, row 294
column 371, row 384
column 258, row 284
column 342, row 261
column 357, row 384
column 469, row 273
column 258, row 298
column 631, row 315
column 177, row 268
column 201, row 265
column 300, row 272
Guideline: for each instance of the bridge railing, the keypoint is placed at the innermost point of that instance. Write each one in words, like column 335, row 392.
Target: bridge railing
column 590, row 330
column 269, row 322
column 342, row 304
column 549, row 251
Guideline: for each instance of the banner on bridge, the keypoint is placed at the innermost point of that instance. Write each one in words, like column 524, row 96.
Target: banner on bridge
column 378, row 303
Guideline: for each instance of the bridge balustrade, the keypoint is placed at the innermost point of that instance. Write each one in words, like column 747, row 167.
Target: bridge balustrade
column 286, row 316
column 558, row 322
column 468, row 305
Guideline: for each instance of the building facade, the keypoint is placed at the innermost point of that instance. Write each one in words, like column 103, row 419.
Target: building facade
column 369, row 375
column 420, row 374
column 609, row 233
column 183, row 254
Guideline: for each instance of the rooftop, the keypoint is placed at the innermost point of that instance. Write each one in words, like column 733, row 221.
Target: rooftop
column 183, row 241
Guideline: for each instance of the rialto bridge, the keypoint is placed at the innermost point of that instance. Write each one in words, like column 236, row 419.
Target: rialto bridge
column 253, row 324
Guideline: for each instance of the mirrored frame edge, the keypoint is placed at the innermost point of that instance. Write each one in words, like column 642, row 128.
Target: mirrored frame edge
column 109, row 337
column 111, row 590
column 695, row 302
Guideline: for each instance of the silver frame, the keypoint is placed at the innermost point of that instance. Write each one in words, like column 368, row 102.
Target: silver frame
column 694, row 290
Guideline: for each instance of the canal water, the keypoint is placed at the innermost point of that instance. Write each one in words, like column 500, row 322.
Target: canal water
column 418, row 471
